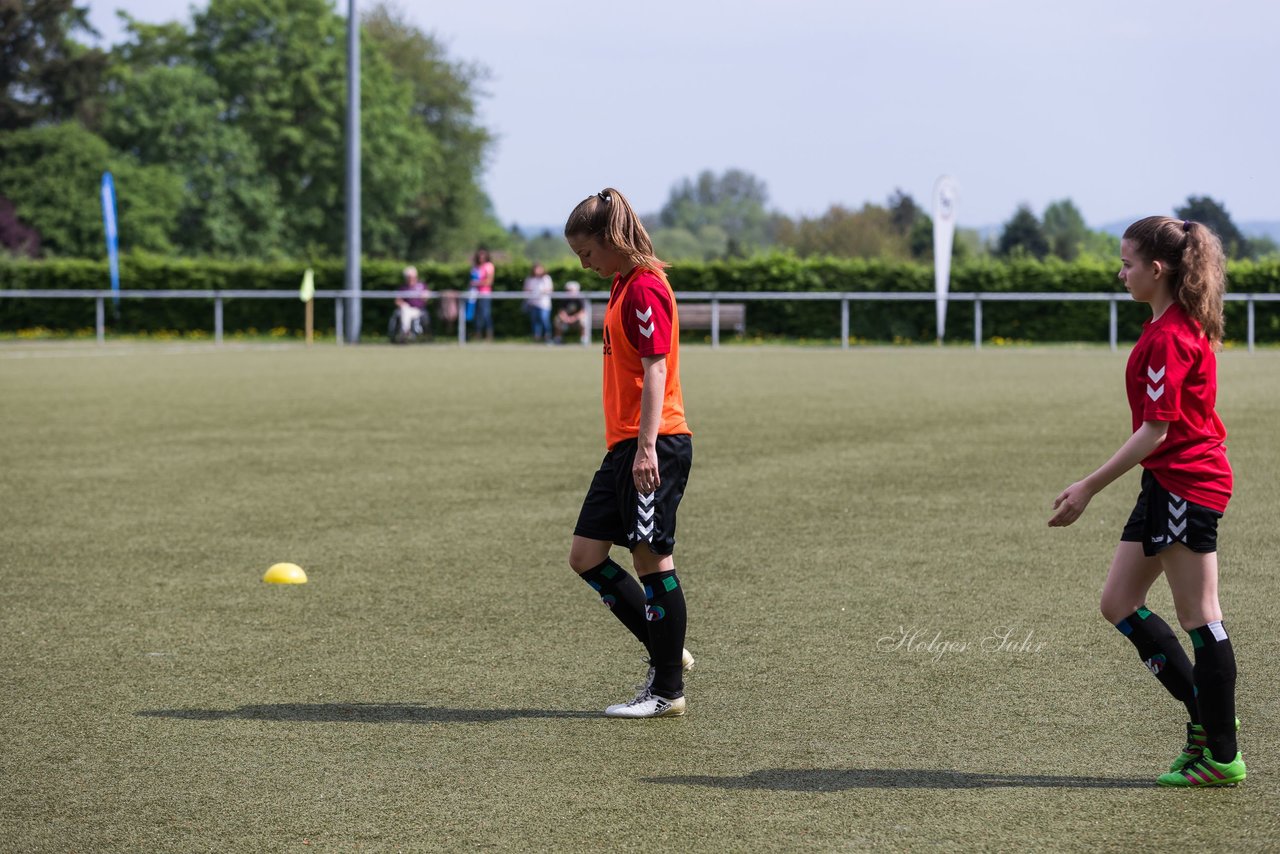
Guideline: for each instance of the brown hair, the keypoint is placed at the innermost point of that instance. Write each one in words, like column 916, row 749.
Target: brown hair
column 1193, row 255
column 609, row 217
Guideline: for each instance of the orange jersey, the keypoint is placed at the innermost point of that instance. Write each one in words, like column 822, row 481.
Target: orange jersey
column 640, row 321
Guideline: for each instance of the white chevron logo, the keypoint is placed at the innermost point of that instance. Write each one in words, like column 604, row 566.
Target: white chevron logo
column 1176, row 510
column 647, row 331
column 645, row 514
column 646, row 499
column 644, row 315
column 1156, row 376
column 645, row 531
column 1177, row 529
column 1155, row 392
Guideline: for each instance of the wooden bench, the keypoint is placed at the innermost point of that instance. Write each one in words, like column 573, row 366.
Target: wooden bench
column 693, row 315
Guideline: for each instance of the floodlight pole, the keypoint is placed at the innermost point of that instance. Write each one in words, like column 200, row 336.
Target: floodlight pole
column 353, row 174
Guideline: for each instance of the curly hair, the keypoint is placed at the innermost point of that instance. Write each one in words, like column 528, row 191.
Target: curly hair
column 1193, row 255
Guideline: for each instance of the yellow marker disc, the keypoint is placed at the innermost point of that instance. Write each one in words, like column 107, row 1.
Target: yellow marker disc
column 285, row 573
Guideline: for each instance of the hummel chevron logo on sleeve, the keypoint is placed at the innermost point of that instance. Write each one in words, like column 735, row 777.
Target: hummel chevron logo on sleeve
column 1155, row 391
column 646, row 331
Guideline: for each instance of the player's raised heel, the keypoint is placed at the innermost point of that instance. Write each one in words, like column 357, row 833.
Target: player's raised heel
column 648, row 705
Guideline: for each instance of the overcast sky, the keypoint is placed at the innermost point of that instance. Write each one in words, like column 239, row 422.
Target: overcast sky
column 1125, row 107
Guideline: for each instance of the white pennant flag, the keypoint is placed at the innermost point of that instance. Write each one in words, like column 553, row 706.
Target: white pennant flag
column 946, row 197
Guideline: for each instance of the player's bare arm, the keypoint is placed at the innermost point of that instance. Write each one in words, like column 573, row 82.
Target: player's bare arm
column 1073, row 500
column 645, row 469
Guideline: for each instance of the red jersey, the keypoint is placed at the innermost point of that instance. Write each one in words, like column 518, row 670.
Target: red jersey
column 640, row 321
column 1172, row 376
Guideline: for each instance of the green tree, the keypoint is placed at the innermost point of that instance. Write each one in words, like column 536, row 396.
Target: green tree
column 450, row 211
column 1214, row 214
column 1021, row 235
column 843, row 233
column 734, row 202
column 172, row 115
column 1065, row 229
column 53, row 173
column 45, row 75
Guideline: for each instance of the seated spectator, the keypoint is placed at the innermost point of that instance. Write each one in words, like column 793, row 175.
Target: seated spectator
column 571, row 319
column 410, row 319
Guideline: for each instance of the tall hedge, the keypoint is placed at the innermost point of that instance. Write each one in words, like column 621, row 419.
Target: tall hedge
column 877, row 321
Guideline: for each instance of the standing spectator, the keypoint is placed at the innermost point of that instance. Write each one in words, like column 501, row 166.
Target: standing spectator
column 571, row 318
column 482, row 286
column 537, row 301
column 410, row 319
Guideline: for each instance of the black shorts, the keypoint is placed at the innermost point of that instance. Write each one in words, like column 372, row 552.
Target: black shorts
column 1160, row 519
column 615, row 512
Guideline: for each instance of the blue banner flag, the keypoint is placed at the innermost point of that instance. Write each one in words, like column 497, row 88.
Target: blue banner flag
column 109, row 225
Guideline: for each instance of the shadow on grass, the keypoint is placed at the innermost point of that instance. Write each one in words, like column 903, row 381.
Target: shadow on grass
column 841, row 779
column 367, row 713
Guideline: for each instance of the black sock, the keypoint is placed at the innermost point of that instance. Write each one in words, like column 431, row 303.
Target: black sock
column 1215, row 675
column 1160, row 651
column 622, row 594
column 666, row 615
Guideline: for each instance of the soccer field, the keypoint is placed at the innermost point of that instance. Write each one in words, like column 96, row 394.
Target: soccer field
column 860, row 529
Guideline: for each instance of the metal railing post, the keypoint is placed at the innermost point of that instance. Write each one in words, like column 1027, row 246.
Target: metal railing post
column 1115, row 323
column 462, row 322
column 586, row 323
column 100, row 321
column 977, row 323
column 1249, row 305
column 217, row 319
column 715, row 323
column 844, row 323
column 337, row 318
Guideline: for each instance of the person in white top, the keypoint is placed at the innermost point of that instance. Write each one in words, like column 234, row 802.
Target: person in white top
column 537, row 302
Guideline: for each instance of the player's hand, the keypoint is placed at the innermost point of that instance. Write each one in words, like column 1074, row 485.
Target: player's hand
column 645, row 470
column 1070, row 504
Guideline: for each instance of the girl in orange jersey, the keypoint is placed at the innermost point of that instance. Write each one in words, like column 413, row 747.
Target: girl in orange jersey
column 633, row 498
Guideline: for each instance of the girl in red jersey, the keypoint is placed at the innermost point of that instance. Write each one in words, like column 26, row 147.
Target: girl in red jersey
column 1176, row 267
column 633, row 497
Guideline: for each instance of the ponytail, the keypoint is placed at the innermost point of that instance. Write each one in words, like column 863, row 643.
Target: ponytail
column 609, row 217
column 1193, row 255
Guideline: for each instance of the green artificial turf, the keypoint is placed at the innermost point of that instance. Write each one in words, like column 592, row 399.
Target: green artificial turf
column 437, row 683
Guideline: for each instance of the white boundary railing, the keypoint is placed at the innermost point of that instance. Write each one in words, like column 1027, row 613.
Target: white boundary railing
column 715, row 298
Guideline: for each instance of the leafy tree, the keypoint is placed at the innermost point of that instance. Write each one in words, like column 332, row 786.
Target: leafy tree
column 733, row 202
column 1214, row 214
column 904, row 212
column 1022, row 234
column 450, row 209
column 171, row 115
column 1065, row 229
column 45, row 75
column 840, row 232
column 53, row 174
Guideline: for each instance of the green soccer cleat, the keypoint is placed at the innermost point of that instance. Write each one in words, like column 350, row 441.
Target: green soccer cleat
column 1191, row 751
column 1205, row 771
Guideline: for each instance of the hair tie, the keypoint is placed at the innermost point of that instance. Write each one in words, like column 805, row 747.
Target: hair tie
column 1186, row 225
column 604, row 197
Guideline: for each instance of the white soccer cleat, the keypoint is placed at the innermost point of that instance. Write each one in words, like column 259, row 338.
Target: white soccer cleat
column 648, row 705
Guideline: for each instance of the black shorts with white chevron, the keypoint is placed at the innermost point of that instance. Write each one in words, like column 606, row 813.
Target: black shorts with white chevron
column 1160, row 519
column 615, row 512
